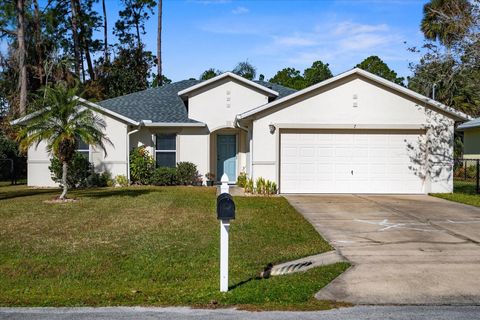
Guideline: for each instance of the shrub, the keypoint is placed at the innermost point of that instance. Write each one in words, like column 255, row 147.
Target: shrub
column 164, row 177
column 249, row 185
column 242, row 179
column 121, row 180
column 470, row 174
column 8, row 147
column 268, row 187
column 187, row 173
column 271, row 187
column 103, row 179
column 142, row 165
column 79, row 171
column 260, row 185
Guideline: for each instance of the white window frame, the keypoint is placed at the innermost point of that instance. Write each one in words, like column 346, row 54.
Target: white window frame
column 156, row 151
column 88, row 151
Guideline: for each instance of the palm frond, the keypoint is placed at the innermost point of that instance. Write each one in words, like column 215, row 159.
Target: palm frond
column 65, row 119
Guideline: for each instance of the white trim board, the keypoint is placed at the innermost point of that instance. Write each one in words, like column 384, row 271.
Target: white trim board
column 191, row 89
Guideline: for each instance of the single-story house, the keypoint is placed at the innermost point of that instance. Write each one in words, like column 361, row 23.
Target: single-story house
column 471, row 139
column 353, row 133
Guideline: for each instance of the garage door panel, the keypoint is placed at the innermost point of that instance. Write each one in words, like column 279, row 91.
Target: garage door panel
column 349, row 162
column 289, row 152
column 307, row 169
column 307, row 152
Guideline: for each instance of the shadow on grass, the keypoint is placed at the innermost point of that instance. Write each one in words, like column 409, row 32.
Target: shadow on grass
column 11, row 194
column 121, row 192
column 241, row 283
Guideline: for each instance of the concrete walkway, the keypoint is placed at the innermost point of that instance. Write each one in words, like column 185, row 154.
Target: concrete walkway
column 138, row 313
column 405, row 249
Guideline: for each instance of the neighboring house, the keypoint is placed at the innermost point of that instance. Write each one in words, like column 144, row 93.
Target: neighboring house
column 471, row 139
column 354, row 133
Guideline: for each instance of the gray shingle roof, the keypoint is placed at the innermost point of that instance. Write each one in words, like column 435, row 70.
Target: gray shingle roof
column 162, row 104
column 282, row 91
column 475, row 123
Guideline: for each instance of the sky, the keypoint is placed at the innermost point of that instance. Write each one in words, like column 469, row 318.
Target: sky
column 274, row 34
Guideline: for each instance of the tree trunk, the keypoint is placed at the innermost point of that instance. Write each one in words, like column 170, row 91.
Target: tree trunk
column 38, row 42
column 82, row 65
column 91, row 70
column 105, row 33
column 22, row 65
column 85, row 43
column 64, row 180
column 76, row 49
column 159, row 45
column 137, row 27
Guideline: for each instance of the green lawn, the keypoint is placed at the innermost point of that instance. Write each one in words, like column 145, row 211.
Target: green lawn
column 152, row 246
column 464, row 192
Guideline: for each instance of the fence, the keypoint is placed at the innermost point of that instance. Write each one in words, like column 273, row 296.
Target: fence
column 13, row 169
column 467, row 174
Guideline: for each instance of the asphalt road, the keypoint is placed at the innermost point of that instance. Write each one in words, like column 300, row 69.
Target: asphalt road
column 138, row 313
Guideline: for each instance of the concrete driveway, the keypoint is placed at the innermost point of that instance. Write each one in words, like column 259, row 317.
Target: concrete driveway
column 404, row 249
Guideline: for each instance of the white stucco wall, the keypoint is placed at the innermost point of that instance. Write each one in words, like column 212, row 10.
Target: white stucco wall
column 115, row 160
column 334, row 106
column 38, row 162
column 218, row 105
column 38, row 174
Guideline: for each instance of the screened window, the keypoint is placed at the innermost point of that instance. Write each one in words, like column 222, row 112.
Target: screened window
column 166, row 150
column 83, row 148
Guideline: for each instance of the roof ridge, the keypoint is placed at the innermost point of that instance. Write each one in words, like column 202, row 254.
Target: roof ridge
column 147, row 89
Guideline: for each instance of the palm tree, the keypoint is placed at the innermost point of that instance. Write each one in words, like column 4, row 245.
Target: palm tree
column 159, row 45
column 446, row 20
column 245, row 69
column 64, row 121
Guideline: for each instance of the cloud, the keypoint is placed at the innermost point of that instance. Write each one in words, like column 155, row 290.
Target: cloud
column 240, row 10
column 333, row 39
column 295, row 41
column 348, row 27
column 342, row 43
column 363, row 41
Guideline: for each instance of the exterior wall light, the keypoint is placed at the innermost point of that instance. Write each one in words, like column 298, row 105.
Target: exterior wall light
column 272, row 128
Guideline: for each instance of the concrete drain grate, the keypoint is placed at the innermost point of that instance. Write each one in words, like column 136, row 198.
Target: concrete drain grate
column 302, row 264
column 294, row 267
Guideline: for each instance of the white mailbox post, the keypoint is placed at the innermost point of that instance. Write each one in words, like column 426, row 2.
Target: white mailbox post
column 224, row 188
column 224, row 227
column 225, row 212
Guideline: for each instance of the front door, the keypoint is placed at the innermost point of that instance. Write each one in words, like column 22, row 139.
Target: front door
column 227, row 156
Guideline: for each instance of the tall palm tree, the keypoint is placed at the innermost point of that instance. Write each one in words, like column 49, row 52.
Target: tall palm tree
column 64, row 121
column 22, row 57
column 159, row 44
column 446, row 20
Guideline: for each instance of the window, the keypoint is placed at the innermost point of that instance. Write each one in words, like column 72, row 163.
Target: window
column 166, row 150
column 83, row 148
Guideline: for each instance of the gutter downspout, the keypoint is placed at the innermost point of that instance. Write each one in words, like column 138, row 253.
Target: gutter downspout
column 250, row 145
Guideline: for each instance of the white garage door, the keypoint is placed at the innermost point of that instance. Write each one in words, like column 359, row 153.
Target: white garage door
column 347, row 162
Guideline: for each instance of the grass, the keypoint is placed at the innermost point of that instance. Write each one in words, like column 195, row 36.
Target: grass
column 152, row 246
column 463, row 192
